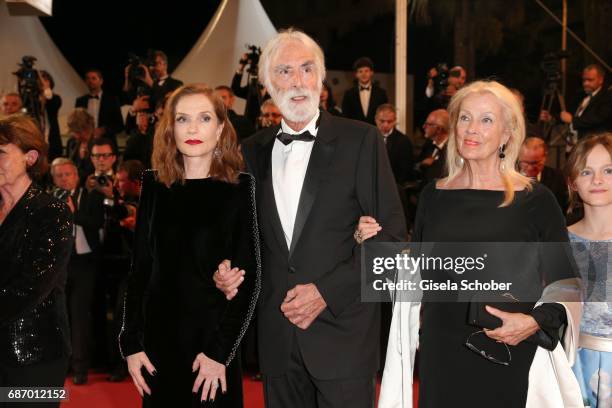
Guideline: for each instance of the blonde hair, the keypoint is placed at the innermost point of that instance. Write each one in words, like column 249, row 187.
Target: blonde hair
column 168, row 160
column 514, row 125
column 80, row 120
column 61, row 161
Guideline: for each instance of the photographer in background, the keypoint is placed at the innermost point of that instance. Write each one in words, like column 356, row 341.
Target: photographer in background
column 29, row 87
column 254, row 92
column 88, row 211
column 442, row 84
column 51, row 104
column 139, row 145
column 103, row 157
column 11, row 104
column 119, row 225
column 149, row 77
column 152, row 83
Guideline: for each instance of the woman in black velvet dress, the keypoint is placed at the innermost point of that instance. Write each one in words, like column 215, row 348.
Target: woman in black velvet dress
column 180, row 335
column 484, row 199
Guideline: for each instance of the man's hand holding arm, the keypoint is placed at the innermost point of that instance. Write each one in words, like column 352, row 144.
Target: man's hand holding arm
column 303, row 304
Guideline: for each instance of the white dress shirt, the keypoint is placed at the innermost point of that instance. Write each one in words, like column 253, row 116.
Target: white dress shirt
column 364, row 97
column 93, row 107
column 289, row 165
column 81, row 245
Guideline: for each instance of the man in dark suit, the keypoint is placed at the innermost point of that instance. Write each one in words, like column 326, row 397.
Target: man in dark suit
column 361, row 101
column 430, row 162
column 102, row 106
column 594, row 114
column 52, row 103
column 532, row 163
column 87, row 207
column 316, row 175
column 241, row 124
column 399, row 147
column 162, row 83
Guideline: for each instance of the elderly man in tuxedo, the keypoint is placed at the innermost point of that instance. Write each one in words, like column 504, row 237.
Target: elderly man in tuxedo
column 316, row 175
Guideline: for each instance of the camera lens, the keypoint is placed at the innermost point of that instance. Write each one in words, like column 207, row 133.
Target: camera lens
column 102, row 180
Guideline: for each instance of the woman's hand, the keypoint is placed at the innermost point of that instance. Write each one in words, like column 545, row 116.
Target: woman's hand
column 367, row 228
column 135, row 363
column 211, row 373
column 516, row 327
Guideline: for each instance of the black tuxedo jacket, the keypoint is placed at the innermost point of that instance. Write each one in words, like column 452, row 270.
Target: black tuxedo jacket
column 348, row 176
column 401, row 156
column 351, row 104
column 553, row 179
column 109, row 116
column 597, row 117
column 241, row 125
column 89, row 214
column 158, row 92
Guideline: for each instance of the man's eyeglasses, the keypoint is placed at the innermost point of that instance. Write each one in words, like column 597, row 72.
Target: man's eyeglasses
column 102, row 155
column 426, row 124
column 477, row 350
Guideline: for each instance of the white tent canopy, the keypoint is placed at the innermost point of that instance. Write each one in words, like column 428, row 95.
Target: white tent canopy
column 214, row 57
column 21, row 36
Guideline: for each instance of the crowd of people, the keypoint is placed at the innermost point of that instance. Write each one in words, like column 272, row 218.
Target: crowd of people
column 153, row 260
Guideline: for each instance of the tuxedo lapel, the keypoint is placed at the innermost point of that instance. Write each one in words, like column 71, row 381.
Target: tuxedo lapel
column 268, row 205
column 320, row 158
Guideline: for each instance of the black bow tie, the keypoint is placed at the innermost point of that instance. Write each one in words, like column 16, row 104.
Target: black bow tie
column 286, row 138
column 364, row 88
column 94, row 97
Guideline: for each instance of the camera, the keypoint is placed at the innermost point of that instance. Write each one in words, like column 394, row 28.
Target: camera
column 103, row 180
column 60, row 194
column 551, row 65
column 28, row 86
column 252, row 58
column 136, row 73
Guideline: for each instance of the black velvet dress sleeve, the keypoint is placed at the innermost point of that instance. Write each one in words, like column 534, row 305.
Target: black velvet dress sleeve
column 424, row 201
column 132, row 327
column 245, row 255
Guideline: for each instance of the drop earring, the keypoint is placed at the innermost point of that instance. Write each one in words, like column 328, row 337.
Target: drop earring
column 502, row 156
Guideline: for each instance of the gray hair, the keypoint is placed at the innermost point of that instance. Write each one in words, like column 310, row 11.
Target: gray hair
column 275, row 44
column 60, row 161
column 266, row 103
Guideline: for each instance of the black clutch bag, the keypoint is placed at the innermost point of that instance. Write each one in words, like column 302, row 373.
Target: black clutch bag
column 478, row 315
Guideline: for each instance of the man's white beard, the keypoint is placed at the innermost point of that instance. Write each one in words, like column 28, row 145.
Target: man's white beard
column 293, row 112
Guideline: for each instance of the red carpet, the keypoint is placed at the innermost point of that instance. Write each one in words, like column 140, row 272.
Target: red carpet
column 99, row 393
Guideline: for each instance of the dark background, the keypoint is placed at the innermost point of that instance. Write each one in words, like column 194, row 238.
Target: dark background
column 508, row 42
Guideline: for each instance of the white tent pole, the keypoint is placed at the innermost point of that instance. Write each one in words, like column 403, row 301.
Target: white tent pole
column 401, row 46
